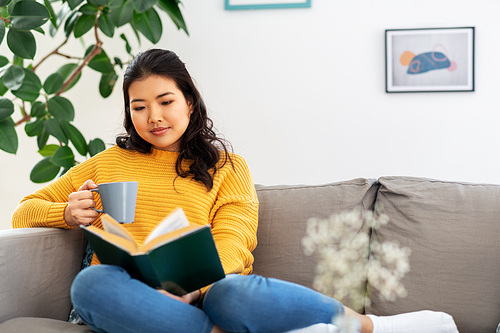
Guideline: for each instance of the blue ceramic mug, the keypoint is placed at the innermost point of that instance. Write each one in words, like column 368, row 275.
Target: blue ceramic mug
column 118, row 200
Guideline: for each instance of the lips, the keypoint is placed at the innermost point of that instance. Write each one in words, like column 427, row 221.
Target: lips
column 159, row 130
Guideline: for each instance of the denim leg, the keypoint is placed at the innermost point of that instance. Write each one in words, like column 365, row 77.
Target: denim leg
column 109, row 300
column 265, row 305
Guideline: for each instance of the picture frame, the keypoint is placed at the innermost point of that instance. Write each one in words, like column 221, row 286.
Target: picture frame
column 265, row 4
column 429, row 60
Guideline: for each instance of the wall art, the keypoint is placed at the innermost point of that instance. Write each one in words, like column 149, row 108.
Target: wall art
column 265, row 4
column 429, row 60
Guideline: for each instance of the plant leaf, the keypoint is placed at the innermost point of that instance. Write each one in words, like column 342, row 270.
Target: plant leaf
column 21, row 43
column 118, row 62
column 96, row 146
column 8, row 136
column 143, row 5
column 2, row 32
column 88, row 9
column 107, row 84
column 127, row 45
column 4, row 3
column 30, row 89
column 53, row 127
column 6, row 108
column 3, row 60
column 52, row 14
column 10, row 6
column 27, row 15
column 66, row 71
column 100, row 62
column 136, row 32
column 29, row 75
column 44, row 171
column 76, row 137
column 171, row 7
column 34, row 128
column 106, row 25
column 48, row 150
column 149, row 24
column 53, row 83
column 63, row 157
column 39, row 30
column 74, row 3
column 42, row 139
column 38, row 109
column 83, row 25
column 13, row 77
column 61, row 108
column 61, row 14
column 99, row 3
column 18, row 61
column 122, row 12
column 70, row 23
column 3, row 88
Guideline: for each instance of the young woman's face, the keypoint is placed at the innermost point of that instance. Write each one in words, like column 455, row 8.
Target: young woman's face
column 159, row 112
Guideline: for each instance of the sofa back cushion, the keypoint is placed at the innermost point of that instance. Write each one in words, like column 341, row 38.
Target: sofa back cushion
column 453, row 231
column 37, row 267
column 283, row 215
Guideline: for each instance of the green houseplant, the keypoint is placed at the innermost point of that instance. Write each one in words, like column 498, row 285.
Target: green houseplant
column 42, row 108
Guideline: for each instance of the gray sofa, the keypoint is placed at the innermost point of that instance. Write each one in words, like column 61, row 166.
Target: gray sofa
column 452, row 228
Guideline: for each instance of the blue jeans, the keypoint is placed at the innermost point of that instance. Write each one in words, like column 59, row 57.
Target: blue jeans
column 109, row 300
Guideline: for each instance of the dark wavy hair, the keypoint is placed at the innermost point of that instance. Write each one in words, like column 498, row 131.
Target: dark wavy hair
column 199, row 143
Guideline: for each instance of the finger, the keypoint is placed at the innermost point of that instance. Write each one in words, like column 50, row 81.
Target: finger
column 84, row 204
column 166, row 293
column 85, row 217
column 81, row 195
column 161, row 291
column 88, row 185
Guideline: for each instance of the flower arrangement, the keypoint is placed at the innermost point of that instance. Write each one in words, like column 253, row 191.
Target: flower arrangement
column 349, row 259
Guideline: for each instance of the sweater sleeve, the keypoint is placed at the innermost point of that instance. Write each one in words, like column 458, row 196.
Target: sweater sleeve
column 45, row 207
column 235, row 219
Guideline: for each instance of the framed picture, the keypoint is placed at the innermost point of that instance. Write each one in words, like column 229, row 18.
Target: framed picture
column 264, row 4
column 429, row 60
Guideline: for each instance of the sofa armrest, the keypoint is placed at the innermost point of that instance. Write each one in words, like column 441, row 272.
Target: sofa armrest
column 37, row 267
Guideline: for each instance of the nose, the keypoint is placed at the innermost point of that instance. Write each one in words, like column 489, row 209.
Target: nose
column 155, row 115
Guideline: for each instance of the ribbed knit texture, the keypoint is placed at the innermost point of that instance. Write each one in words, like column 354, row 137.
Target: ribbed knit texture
column 231, row 207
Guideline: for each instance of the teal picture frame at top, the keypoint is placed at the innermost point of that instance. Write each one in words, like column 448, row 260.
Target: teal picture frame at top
column 265, row 4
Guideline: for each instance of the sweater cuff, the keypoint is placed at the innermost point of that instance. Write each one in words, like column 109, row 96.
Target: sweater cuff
column 55, row 216
column 204, row 291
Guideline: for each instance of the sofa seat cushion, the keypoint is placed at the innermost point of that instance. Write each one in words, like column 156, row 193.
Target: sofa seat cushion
column 452, row 229
column 41, row 325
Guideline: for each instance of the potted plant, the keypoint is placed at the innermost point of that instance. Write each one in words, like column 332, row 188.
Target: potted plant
column 40, row 103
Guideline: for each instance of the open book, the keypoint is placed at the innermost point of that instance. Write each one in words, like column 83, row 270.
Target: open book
column 176, row 256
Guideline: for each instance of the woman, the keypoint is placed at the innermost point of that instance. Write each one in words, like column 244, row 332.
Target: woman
column 172, row 151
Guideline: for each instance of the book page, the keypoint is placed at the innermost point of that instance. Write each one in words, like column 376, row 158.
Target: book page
column 118, row 241
column 170, row 237
column 174, row 221
column 112, row 226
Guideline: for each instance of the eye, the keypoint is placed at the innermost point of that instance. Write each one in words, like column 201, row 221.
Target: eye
column 139, row 108
column 166, row 102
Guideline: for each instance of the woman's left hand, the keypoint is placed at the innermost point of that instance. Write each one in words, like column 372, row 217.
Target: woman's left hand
column 190, row 298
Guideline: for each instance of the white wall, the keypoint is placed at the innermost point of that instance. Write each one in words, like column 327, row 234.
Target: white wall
column 301, row 94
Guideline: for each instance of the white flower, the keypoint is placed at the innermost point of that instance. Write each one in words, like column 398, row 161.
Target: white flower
column 343, row 248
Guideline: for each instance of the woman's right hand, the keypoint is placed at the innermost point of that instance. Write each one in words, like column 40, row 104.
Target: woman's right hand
column 78, row 211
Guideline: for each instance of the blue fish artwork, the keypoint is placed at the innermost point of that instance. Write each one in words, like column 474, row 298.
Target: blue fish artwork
column 425, row 62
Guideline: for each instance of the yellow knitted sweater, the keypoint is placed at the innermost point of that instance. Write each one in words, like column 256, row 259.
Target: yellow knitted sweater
column 230, row 207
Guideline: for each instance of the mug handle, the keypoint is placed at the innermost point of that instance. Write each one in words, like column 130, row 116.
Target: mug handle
column 97, row 210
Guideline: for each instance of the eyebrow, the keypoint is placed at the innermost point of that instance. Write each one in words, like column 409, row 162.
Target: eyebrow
column 157, row 97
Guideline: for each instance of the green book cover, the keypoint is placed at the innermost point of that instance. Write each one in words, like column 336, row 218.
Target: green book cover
column 180, row 262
